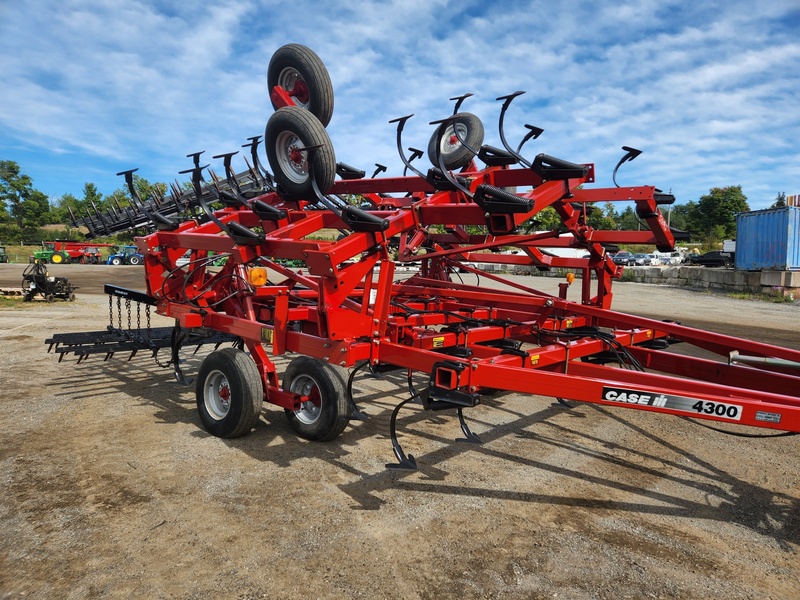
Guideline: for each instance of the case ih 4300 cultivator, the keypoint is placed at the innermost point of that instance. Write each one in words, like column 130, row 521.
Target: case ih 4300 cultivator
column 345, row 310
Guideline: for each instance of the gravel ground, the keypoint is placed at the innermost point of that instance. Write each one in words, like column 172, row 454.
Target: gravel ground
column 109, row 486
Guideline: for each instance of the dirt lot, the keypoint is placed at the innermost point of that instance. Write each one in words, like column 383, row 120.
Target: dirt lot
column 109, row 486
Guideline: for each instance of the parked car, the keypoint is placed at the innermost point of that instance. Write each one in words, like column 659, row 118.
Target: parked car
column 673, row 258
column 623, row 258
column 654, row 260
column 641, row 260
column 715, row 258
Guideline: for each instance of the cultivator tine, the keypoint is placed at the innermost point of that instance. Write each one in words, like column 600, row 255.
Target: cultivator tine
column 195, row 156
column 257, row 169
column 469, row 436
column 507, row 100
column 401, row 123
column 404, row 461
column 460, row 100
column 415, row 154
column 630, row 154
column 533, row 133
column 379, row 169
column 355, row 413
column 230, row 176
column 159, row 221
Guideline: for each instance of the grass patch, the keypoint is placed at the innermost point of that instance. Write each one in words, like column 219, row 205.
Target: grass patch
column 11, row 302
column 781, row 297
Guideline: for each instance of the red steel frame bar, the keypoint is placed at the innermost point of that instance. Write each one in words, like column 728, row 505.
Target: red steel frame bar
column 345, row 307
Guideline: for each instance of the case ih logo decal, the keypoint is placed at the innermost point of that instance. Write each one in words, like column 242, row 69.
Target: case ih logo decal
column 723, row 410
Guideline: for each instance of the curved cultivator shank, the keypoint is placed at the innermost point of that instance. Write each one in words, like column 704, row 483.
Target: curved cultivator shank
column 283, row 288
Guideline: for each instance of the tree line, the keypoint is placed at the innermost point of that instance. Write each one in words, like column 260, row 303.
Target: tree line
column 24, row 210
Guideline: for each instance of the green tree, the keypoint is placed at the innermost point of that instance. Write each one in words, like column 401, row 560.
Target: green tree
column 59, row 212
column 599, row 217
column 713, row 218
column 678, row 215
column 26, row 206
column 780, row 201
column 546, row 219
column 627, row 220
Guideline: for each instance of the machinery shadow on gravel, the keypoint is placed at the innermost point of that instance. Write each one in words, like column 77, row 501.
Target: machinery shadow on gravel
column 725, row 497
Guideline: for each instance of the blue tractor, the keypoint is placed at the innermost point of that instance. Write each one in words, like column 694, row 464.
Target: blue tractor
column 126, row 255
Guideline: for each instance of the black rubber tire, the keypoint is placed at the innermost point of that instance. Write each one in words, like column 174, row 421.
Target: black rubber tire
column 135, row 260
column 116, row 261
column 293, row 127
column 457, row 155
column 327, row 413
column 57, row 258
column 229, row 393
column 295, row 63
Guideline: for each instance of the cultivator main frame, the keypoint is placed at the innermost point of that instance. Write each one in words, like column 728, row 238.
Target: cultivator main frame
column 345, row 308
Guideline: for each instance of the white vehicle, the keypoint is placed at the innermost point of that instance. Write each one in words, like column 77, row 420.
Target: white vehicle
column 184, row 260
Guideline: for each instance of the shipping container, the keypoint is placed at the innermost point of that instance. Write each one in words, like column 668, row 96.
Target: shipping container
column 768, row 239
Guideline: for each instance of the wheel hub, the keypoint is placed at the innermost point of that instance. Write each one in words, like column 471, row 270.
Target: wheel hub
column 217, row 395
column 293, row 160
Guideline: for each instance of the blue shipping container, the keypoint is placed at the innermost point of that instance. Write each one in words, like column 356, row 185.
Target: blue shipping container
column 768, row 239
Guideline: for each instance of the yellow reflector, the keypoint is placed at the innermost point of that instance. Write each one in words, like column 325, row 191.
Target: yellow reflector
column 570, row 278
column 257, row 276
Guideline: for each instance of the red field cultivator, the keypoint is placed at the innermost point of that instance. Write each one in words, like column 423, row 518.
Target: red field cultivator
column 345, row 309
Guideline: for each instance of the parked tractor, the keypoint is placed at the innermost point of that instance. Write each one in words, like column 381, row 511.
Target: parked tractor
column 3, row 255
column 125, row 255
column 345, row 313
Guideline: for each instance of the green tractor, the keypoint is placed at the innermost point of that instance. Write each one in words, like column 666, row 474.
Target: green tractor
column 49, row 254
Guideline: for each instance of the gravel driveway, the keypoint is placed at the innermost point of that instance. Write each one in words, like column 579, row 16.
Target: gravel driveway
column 110, row 488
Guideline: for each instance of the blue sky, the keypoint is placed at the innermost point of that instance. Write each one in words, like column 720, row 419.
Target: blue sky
column 710, row 91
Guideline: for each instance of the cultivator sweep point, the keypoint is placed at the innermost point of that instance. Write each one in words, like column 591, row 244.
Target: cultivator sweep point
column 344, row 309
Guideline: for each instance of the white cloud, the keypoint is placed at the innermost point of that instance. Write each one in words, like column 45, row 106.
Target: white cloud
column 706, row 89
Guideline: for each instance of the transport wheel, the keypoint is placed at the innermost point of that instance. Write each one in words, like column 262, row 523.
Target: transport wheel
column 135, row 260
column 49, row 297
column 288, row 131
column 116, row 261
column 469, row 128
column 229, row 393
column 300, row 72
column 326, row 413
column 72, row 296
